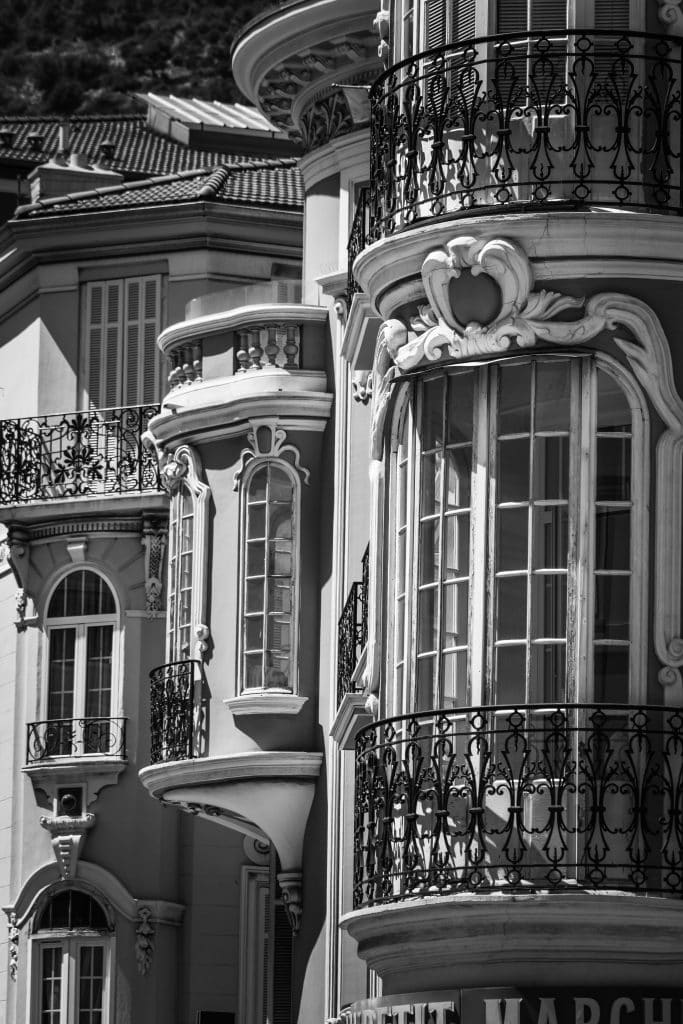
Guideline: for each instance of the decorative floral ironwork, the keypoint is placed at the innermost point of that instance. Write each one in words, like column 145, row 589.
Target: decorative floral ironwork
column 174, row 711
column 554, row 798
column 358, row 239
column 76, row 454
column 352, row 633
column 74, row 737
column 580, row 117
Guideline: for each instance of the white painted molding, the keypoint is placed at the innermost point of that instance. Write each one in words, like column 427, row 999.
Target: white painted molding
column 183, row 469
column 202, row 327
column 68, row 838
column 525, row 318
column 92, row 771
column 274, row 449
column 351, row 716
column 265, row 702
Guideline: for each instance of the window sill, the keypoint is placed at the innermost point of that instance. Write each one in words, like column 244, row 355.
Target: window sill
column 266, row 702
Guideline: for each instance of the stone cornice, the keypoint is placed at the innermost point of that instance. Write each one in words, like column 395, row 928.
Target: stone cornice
column 244, row 766
column 107, row 513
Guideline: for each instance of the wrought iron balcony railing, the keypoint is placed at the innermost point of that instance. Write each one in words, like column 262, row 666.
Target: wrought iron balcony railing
column 76, row 454
column 358, row 239
column 75, row 737
column 558, row 798
column 579, row 117
column 352, row 631
column 174, row 711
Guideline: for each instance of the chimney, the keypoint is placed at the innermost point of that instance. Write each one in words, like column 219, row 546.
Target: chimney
column 69, row 171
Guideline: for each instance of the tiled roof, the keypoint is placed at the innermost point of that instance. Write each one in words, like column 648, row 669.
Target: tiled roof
column 254, row 182
column 137, row 150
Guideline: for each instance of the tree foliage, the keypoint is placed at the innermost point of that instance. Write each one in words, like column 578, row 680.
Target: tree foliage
column 90, row 56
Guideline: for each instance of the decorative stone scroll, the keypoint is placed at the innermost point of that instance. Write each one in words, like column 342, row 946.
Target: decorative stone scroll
column 68, row 836
column 267, row 441
column 13, row 945
column 291, row 886
column 671, row 15
column 526, row 317
column 361, row 383
column 144, row 940
column 154, row 536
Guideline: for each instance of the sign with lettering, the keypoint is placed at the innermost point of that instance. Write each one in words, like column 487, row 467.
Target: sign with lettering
column 522, row 1006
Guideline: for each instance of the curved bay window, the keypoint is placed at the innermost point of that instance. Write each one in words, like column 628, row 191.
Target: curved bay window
column 72, row 961
column 270, row 499
column 518, row 536
column 82, row 621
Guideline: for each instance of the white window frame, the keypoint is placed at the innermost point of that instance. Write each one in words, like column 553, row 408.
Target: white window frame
column 113, row 370
column 245, row 482
column 181, row 475
column 81, row 623
column 70, row 941
column 399, row 699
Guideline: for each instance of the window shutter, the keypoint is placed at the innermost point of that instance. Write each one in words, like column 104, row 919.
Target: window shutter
column 464, row 18
column 435, row 23
column 612, row 15
column 111, row 363
column 94, row 316
column 133, row 339
column 282, row 968
column 511, row 16
column 548, row 15
column 151, row 364
column 142, row 325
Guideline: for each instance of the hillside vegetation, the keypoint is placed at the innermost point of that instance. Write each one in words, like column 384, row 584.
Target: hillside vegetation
column 89, row 56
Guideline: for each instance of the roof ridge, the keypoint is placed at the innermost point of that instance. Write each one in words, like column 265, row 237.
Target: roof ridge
column 71, row 118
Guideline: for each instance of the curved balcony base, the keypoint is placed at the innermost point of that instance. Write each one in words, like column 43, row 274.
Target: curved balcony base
column 262, row 793
column 570, row 938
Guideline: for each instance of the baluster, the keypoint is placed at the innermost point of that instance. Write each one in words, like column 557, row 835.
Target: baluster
column 272, row 347
column 291, row 347
column 255, row 350
column 197, row 367
column 243, row 350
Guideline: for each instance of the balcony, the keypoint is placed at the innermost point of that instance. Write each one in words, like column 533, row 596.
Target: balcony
column 569, row 798
column 76, row 455
column 527, row 122
column 75, row 737
column 352, row 632
column 175, row 711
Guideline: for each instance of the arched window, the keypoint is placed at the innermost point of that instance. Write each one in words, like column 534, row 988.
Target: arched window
column 81, row 623
column 71, row 950
column 269, row 590
column 518, row 536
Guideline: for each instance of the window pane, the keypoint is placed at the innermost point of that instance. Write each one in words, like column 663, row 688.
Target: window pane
column 553, row 388
column 279, row 596
column 90, row 984
column 425, row 695
column 511, row 608
column 548, row 672
column 612, row 538
column 551, row 467
column 256, row 555
column 60, row 699
column 430, row 543
column 98, row 671
column 460, row 407
column 613, row 481
column 51, row 985
column 513, row 470
column 279, row 558
column 611, row 667
column 549, row 606
column 254, row 633
column 612, row 601
column 253, row 670
column 254, row 595
column 454, row 679
column 281, row 488
column 510, row 681
column 455, row 614
column 256, row 521
column 512, row 539
column 457, row 546
column 257, row 485
column 551, row 536
column 514, row 399
column 431, row 483
column 458, row 477
column 432, row 413
column 613, row 408
column 427, row 625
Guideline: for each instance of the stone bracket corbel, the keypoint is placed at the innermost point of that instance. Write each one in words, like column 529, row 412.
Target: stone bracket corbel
column 144, row 940
column 291, row 887
column 154, row 537
column 68, row 837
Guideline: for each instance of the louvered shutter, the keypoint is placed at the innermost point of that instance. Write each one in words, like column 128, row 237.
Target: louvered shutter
column 142, row 326
column 511, row 16
column 103, row 340
column 435, row 23
column 110, row 389
column 282, row 968
column 464, row 20
column 548, row 16
column 612, row 15
column 94, row 340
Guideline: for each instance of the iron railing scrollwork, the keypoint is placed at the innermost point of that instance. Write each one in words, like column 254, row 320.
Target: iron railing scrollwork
column 358, row 239
column 352, row 630
column 527, row 119
column 75, row 737
column 77, row 454
column 174, row 711
column 559, row 798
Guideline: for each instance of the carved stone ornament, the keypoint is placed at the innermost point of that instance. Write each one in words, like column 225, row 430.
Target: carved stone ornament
column 144, row 940
column 267, row 441
column 526, row 318
column 13, row 946
column 361, row 383
column 154, row 535
column 290, row 883
column 68, row 836
column 670, row 14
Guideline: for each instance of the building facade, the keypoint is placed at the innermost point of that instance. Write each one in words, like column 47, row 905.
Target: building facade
column 343, row 680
